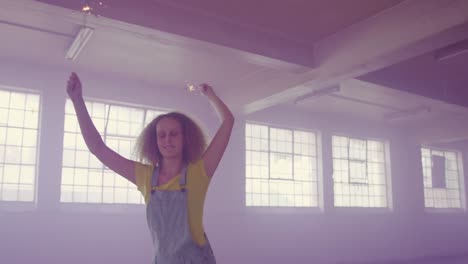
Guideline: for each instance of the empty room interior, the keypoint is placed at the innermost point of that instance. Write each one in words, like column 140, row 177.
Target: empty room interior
column 349, row 145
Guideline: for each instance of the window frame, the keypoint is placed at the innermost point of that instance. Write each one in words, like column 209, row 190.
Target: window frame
column 386, row 170
column 101, row 206
column 318, row 181
column 18, row 205
column 461, row 182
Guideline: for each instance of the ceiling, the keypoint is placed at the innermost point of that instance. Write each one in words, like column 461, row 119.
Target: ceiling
column 445, row 80
column 298, row 20
column 266, row 53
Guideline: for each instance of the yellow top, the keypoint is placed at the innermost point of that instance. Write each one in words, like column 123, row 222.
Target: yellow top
column 196, row 185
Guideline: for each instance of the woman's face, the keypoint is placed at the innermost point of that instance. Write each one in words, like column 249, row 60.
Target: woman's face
column 170, row 138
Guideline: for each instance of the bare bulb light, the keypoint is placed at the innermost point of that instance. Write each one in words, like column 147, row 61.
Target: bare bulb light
column 190, row 86
column 86, row 8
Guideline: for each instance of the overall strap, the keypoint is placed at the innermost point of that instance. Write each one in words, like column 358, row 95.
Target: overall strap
column 183, row 178
column 154, row 178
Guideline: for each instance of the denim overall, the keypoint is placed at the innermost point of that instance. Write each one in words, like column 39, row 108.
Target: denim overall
column 167, row 218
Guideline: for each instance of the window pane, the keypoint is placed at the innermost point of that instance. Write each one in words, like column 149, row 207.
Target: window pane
column 359, row 174
column 19, row 119
column 281, row 167
column 84, row 178
column 442, row 186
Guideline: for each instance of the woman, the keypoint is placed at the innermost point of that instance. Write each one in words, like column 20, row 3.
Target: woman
column 175, row 181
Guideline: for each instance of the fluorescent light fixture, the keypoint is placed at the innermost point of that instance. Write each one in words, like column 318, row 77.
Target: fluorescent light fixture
column 407, row 113
column 451, row 50
column 317, row 93
column 79, row 42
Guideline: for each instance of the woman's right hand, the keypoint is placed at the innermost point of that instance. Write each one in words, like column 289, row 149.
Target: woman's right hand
column 74, row 86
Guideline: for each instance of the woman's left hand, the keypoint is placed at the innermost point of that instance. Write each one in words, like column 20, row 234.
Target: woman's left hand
column 206, row 90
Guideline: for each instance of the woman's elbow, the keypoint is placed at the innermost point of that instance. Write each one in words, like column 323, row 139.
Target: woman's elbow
column 96, row 148
column 229, row 118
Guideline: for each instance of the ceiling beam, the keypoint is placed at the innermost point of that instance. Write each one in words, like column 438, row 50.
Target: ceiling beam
column 264, row 47
column 409, row 29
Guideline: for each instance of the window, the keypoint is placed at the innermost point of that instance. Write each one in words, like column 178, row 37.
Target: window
column 19, row 119
column 359, row 172
column 84, row 178
column 281, row 167
column 443, row 187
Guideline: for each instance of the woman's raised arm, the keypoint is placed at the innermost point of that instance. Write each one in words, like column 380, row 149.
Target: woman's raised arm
column 93, row 140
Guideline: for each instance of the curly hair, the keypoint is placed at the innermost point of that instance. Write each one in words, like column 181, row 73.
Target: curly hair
column 146, row 148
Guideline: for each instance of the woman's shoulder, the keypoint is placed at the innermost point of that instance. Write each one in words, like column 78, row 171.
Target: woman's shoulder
column 143, row 174
column 197, row 168
column 197, row 178
column 143, row 169
column 196, row 164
